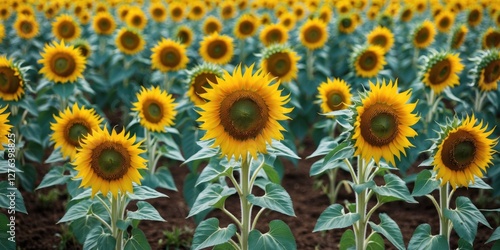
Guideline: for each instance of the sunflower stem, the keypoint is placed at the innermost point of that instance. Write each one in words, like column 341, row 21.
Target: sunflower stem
column 332, row 190
column 255, row 174
column 166, row 82
column 117, row 215
column 310, row 64
column 351, row 170
column 430, row 100
column 478, row 101
column 224, row 210
column 242, row 51
column 151, row 151
column 444, row 226
column 246, row 207
column 361, row 202
column 262, row 209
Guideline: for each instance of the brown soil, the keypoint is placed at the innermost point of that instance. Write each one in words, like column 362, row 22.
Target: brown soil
column 38, row 229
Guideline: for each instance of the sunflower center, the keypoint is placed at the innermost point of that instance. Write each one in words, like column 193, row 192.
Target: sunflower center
column 346, row 22
column 246, row 27
column 104, row 24
column 335, row 101
column 368, row 60
column 287, row 22
column 9, row 82
column 379, row 124
column 201, row 82
column 458, row 39
column 170, row 57
column 243, row 115
column 459, row 150
column 76, row 131
column 422, row 35
column 492, row 72
column 212, row 27
column 63, row 64
column 406, row 15
column 274, row 36
column 445, row 22
column 279, row 64
column 84, row 51
column 177, row 12
column 380, row 40
column 110, row 161
column 67, row 29
column 153, row 112
column 313, row 34
column 226, row 11
column 129, row 40
column 197, row 10
column 217, row 49
column 136, row 20
column 493, row 40
column 473, row 16
column 157, row 12
column 183, row 36
column 440, row 72
column 26, row 27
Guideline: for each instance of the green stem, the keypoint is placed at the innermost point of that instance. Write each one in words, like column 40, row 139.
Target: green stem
column 310, row 64
column 243, row 55
column 245, row 205
column 255, row 174
column 351, row 170
column 151, row 151
column 257, row 217
column 116, row 215
column 430, row 101
column 361, row 202
column 102, row 221
column 224, row 210
column 444, row 227
column 332, row 190
column 166, row 82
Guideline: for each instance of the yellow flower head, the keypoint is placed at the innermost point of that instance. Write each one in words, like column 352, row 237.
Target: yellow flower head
column 216, row 48
column 313, row 34
column 26, row 27
column 246, row 26
column 424, row 34
column 273, row 33
column 444, row 21
column 441, row 71
column 458, row 37
column 382, row 37
column 334, row 95
column 368, row 61
column 491, row 38
column 11, row 80
column 169, row 55
column 212, row 24
column 136, row 19
column 198, row 9
column 176, row 11
column 185, row 35
column 129, row 41
column 156, row 109
column 199, row 77
column 475, row 15
column 487, row 72
column 4, row 127
column 104, row 23
column 62, row 63
column 158, row 12
column 280, row 61
column 66, row 28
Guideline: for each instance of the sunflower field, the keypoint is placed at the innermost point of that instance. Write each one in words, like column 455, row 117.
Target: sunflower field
column 249, row 124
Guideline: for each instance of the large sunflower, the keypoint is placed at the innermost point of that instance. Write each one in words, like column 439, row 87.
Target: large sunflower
column 491, row 38
column 444, row 21
column 11, row 80
column 156, row 109
column 423, row 35
column 368, row 61
column 487, row 72
column 212, row 24
column 462, row 152
column 169, row 55
column 458, row 37
column 246, row 26
column 26, row 26
column 280, row 61
column 62, row 63
column 243, row 112
column 104, row 23
column 71, row 126
column 334, row 95
column 313, row 34
column 4, row 127
column 382, row 37
column 185, row 35
column 441, row 71
column 383, row 123
column 217, row 48
column 66, row 28
column 198, row 81
column 109, row 162
column 129, row 41
column 273, row 33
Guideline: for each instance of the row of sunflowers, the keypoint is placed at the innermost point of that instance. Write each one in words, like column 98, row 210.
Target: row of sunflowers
column 109, row 94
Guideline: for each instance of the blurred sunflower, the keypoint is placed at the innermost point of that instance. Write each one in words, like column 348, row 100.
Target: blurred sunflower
column 176, row 11
column 11, row 80
column 4, row 12
column 368, row 61
column 383, row 123
column 441, row 71
column 197, row 11
column 104, row 23
column 334, row 95
column 325, row 13
column 71, row 126
column 77, row 8
column 25, row 9
column 288, row 20
column 156, row 109
column 129, row 41
column 347, row 24
column 123, row 11
column 26, row 27
column 50, row 11
column 199, row 77
column 491, row 38
column 313, row 34
column 216, row 48
column 62, row 63
column 420, row 5
column 185, row 35
column 243, row 112
column 406, row 13
column 299, row 10
column 273, row 33
column 280, row 61
column 423, row 35
column 458, row 37
column 372, row 13
column 246, row 26
column 211, row 24
column 158, row 12
column 169, row 55
column 265, row 19
column 83, row 46
column 382, row 37
column 4, row 127
column 462, row 152
column 227, row 10
column 84, row 18
column 444, row 21
column 101, row 7
column 109, row 162
column 2, row 32
column 487, row 72
column 66, row 28
column 136, row 19
column 475, row 15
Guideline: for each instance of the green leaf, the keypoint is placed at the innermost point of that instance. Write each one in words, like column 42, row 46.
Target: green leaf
column 55, row 156
column 422, row 239
column 279, row 237
column 318, row 167
column 98, row 237
column 63, row 90
column 170, row 149
column 347, row 241
column 76, row 211
column 424, row 184
column 208, row 233
column 9, row 193
column 161, row 178
column 375, row 242
column 334, row 217
column 465, row 218
column 81, row 227
column 340, row 152
column 464, row 245
column 394, row 187
column 390, row 230
column 225, row 246
column 205, row 152
column 276, row 198
column 145, row 193
column 325, row 146
column 145, row 211
column 479, row 183
column 277, row 148
column 213, row 171
column 495, row 236
column 55, row 176
column 28, row 177
column 272, row 174
column 358, row 188
column 214, row 195
column 137, row 241
column 5, row 243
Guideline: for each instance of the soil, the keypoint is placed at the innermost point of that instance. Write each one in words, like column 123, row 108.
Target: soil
column 38, row 230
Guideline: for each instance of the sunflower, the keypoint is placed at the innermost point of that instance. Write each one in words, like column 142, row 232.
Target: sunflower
column 383, row 123
column 463, row 151
column 343, row 7
column 265, row 19
column 71, row 126
column 66, row 28
column 299, row 10
column 26, row 26
column 50, row 11
column 441, row 71
column 420, row 5
column 406, row 14
column 129, row 41
column 487, row 72
column 185, row 35
column 136, row 19
column 313, row 34
column 2, row 32
column 199, row 77
column 4, row 12
column 382, row 37
column 83, row 46
column 280, row 61
column 104, row 23
column 109, row 162
column 26, row 10
column 424, row 34
column 273, row 33
column 325, row 13
column 444, row 21
column 368, row 61
column 62, row 63
column 245, row 26
column 491, row 38
column 227, row 10
column 197, row 10
column 243, row 112
column 176, row 11
column 123, row 11
column 4, row 127
column 11, row 80
column 158, row 12
column 156, row 109
column 347, row 24
column 288, row 20
column 78, row 8
column 372, row 13
column 217, row 48
column 84, row 18
column 334, row 95
column 458, row 37
column 101, row 7
column 212, row 24
column 475, row 15
column 169, row 55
